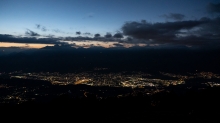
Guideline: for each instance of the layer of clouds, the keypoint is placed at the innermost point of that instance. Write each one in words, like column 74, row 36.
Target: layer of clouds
column 79, row 38
column 199, row 33
column 18, row 39
column 148, row 31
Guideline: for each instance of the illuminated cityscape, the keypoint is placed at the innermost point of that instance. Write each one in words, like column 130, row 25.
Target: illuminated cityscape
column 16, row 92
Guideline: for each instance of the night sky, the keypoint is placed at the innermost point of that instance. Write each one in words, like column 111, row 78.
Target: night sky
column 110, row 23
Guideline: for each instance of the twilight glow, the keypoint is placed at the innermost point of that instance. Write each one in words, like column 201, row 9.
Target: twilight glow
column 24, row 45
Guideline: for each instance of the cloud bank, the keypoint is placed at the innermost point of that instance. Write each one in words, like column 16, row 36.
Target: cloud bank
column 204, row 32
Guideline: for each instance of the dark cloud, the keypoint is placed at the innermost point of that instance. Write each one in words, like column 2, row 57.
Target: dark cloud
column 108, row 35
column 79, row 38
column 31, row 33
column 174, row 16
column 97, row 35
column 118, row 35
column 198, row 33
column 5, row 36
column 148, row 31
column 78, row 33
column 213, row 8
column 85, row 38
column 11, row 38
column 129, row 39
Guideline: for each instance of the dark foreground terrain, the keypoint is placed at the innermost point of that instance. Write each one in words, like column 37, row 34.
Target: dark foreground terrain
column 193, row 106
